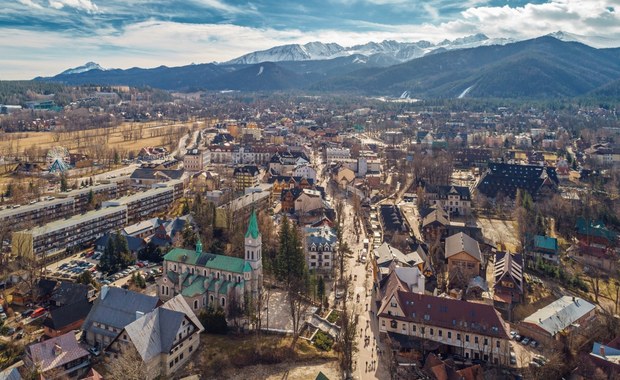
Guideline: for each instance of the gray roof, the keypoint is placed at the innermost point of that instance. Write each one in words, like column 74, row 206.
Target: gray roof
column 10, row 374
column 386, row 253
column 560, row 314
column 117, row 307
column 462, row 242
column 155, row 332
column 17, row 212
column 74, row 220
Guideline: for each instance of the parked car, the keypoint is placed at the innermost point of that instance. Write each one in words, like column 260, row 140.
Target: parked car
column 95, row 351
column 27, row 313
column 3, row 316
column 39, row 312
column 512, row 334
column 533, row 364
column 533, row 343
column 525, row 341
column 517, row 337
column 513, row 358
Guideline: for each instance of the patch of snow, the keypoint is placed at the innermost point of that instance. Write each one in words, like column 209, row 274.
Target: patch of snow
column 462, row 95
column 260, row 71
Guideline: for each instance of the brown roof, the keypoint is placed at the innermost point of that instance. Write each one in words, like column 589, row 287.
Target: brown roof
column 440, row 370
column 450, row 313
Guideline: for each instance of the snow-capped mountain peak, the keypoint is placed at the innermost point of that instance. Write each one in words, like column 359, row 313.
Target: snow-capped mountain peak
column 82, row 69
column 388, row 51
column 593, row 41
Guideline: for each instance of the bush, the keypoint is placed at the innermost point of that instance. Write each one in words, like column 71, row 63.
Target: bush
column 323, row 341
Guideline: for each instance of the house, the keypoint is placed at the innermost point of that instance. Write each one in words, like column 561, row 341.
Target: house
column 282, row 183
column 546, row 248
column 146, row 177
column 307, row 201
column 305, row 171
column 195, row 160
column 437, row 369
column 470, row 329
column 169, row 230
column 463, row 256
column 505, row 179
column 320, row 247
column 204, row 181
column 388, row 257
column 435, row 225
column 563, row 315
column 395, row 229
column 67, row 318
column 343, row 176
column 287, row 199
column 42, row 291
column 455, row 200
column 607, row 356
column 114, row 309
column 508, row 288
column 246, row 176
column 209, row 279
column 60, row 357
column 409, row 279
column 596, row 232
column 164, row 339
column 69, row 293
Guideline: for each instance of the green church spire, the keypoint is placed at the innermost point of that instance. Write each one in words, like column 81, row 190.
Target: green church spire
column 199, row 246
column 252, row 227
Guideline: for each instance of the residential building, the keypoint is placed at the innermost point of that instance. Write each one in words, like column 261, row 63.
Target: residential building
column 99, row 193
column 67, row 293
column 112, row 311
column 437, row 369
column 308, row 201
column 59, row 357
column 145, row 203
column 337, row 154
column 165, row 339
column 395, row 229
column 607, row 356
column 388, row 257
column 66, row 318
column 305, row 171
column 209, row 279
column 202, row 182
column 240, row 208
column 54, row 237
column 19, row 217
column 464, row 258
column 195, row 160
column 320, row 247
column 280, row 183
column 246, row 176
column 604, row 154
column 505, row 179
column 453, row 199
column 284, row 163
column 508, row 288
column 135, row 244
column 546, row 248
column 470, row 329
column 435, row 224
column 147, row 177
column 563, row 315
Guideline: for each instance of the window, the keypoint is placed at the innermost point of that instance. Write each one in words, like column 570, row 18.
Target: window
column 171, row 364
column 223, row 301
column 393, row 324
column 413, row 328
column 440, row 332
column 476, row 339
column 486, row 341
column 393, row 304
column 195, row 304
column 432, row 331
column 181, row 356
column 449, row 335
column 458, row 336
column 383, row 322
column 191, row 348
column 497, row 344
column 467, row 338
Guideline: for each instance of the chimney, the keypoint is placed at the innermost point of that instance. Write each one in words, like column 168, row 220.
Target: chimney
column 601, row 350
column 104, row 291
column 139, row 314
column 58, row 349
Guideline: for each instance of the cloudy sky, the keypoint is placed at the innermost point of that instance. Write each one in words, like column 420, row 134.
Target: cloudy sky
column 45, row 37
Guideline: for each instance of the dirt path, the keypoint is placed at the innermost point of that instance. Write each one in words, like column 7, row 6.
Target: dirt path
column 289, row 371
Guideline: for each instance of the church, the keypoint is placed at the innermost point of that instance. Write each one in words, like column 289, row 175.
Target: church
column 208, row 279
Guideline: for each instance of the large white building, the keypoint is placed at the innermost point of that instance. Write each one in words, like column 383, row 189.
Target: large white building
column 337, row 154
column 320, row 247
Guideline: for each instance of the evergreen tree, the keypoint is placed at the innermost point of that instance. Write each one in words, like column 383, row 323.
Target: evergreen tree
column 107, row 263
column 214, row 320
column 63, row 183
column 91, row 200
column 320, row 290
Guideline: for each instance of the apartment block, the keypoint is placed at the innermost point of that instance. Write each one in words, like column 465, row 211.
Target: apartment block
column 195, row 160
column 56, row 236
column 18, row 217
column 143, row 204
column 102, row 192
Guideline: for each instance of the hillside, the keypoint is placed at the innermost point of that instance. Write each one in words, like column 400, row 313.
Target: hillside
column 538, row 68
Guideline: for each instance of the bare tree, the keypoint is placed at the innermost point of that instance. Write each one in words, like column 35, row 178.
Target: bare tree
column 128, row 365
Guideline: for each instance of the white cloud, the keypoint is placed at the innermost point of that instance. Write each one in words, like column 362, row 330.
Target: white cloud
column 30, row 4
column 84, row 5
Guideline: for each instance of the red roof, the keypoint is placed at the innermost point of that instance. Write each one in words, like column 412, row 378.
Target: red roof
column 450, row 313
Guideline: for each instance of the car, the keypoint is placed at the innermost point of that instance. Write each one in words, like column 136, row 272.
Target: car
column 512, row 334
column 19, row 335
column 533, row 343
column 517, row 337
column 525, row 341
column 533, row 364
column 513, row 358
column 3, row 316
column 27, row 313
column 39, row 312
column 10, row 331
column 540, row 359
column 95, row 351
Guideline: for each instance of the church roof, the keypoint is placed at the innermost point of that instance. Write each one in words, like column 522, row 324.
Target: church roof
column 207, row 260
column 252, row 227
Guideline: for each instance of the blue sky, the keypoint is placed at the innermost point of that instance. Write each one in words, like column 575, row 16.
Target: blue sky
column 44, row 37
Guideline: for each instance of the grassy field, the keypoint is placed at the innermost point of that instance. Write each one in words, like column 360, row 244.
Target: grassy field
column 125, row 138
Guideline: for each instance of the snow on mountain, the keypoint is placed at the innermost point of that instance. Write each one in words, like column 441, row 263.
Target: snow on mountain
column 82, row 69
column 385, row 51
column 594, row 41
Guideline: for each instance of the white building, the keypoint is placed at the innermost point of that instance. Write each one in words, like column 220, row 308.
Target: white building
column 337, row 154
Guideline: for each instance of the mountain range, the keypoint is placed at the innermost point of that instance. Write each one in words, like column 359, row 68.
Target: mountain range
column 474, row 66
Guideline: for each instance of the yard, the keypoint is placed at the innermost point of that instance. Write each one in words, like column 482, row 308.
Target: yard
column 499, row 231
column 266, row 357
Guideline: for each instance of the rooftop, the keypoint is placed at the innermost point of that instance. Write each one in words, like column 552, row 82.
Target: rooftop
column 560, row 314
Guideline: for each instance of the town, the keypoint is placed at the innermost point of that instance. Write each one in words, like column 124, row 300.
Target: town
column 148, row 235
